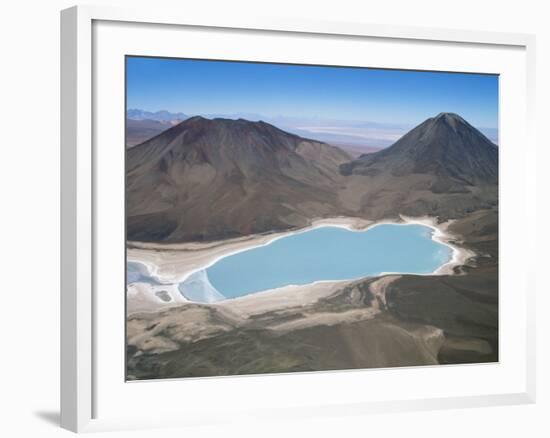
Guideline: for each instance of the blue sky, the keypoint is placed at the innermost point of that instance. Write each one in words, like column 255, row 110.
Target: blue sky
column 309, row 92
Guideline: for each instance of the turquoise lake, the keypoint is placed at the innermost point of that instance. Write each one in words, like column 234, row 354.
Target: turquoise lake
column 321, row 254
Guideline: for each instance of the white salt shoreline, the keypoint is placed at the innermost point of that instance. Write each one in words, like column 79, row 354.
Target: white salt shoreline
column 161, row 270
column 459, row 256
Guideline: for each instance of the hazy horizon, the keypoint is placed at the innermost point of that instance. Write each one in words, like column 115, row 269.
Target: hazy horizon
column 336, row 104
column 345, row 93
column 355, row 132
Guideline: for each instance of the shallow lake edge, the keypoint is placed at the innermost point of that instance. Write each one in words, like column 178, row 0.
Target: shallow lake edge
column 439, row 234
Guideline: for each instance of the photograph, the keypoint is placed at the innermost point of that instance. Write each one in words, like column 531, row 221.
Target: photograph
column 275, row 220
column 288, row 218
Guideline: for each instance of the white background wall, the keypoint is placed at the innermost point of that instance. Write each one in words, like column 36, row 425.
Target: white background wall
column 29, row 219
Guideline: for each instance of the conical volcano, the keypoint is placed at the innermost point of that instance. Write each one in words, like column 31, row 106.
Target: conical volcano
column 445, row 146
column 444, row 167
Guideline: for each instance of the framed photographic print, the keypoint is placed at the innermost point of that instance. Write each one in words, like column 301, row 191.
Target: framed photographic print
column 337, row 217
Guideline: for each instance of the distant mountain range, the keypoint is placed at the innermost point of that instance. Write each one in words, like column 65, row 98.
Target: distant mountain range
column 208, row 179
column 163, row 115
column 354, row 136
column 138, row 131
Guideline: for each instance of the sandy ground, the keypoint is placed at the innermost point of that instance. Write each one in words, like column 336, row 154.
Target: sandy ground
column 281, row 298
column 143, row 297
column 173, row 263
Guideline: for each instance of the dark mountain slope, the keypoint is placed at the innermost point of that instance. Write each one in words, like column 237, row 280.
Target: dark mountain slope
column 443, row 167
column 138, row 131
column 445, row 146
column 211, row 179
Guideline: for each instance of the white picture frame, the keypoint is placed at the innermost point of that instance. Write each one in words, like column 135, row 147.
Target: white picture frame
column 80, row 370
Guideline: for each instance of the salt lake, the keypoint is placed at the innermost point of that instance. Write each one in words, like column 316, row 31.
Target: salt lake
column 327, row 253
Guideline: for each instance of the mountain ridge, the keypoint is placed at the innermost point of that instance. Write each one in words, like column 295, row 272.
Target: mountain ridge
column 205, row 179
column 208, row 179
column 161, row 115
